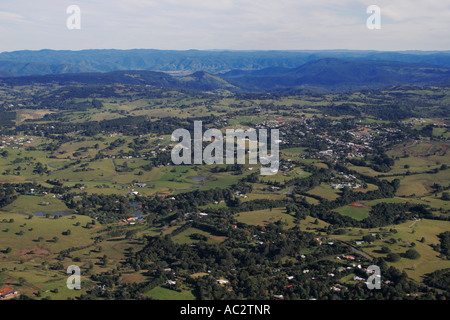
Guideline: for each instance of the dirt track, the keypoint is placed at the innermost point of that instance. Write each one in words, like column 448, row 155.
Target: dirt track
column 34, row 251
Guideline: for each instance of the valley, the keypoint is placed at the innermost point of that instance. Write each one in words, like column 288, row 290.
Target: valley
column 86, row 179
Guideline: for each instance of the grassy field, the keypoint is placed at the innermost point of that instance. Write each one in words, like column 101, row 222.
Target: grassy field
column 433, row 202
column 309, row 223
column 265, row 217
column 28, row 204
column 364, row 170
column 311, row 200
column 420, row 184
column 358, row 213
column 24, row 233
column 34, row 245
column 325, row 191
column 361, row 211
column 185, row 236
column 407, row 233
column 266, row 195
column 162, row 293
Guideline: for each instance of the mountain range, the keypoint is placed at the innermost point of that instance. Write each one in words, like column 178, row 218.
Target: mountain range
column 237, row 71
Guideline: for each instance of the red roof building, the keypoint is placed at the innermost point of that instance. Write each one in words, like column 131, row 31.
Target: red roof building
column 8, row 293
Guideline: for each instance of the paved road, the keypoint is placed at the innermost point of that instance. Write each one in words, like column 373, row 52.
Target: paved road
column 355, row 250
column 361, row 253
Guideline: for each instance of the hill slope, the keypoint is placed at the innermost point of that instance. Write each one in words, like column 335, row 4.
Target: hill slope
column 21, row 63
column 325, row 75
column 336, row 74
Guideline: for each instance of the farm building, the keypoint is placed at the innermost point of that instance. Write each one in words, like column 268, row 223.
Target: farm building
column 8, row 293
column 135, row 219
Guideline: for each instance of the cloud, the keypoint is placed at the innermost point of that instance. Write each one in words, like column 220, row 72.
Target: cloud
column 11, row 18
column 225, row 24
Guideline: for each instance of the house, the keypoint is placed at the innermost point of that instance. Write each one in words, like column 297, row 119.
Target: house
column 171, row 282
column 8, row 293
column 221, row 281
column 326, row 152
column 134, row 219
column 337, row 289
column 140, row 185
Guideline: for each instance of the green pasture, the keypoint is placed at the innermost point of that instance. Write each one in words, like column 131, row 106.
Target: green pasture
column 325, row 191
column 407, row 233
column 354, row 212
column 29, row 204
column 185, row 236
column 162, row 293
column 265, row 217
column 25, row 233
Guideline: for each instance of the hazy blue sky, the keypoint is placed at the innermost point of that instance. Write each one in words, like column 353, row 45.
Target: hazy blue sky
column 225, row 24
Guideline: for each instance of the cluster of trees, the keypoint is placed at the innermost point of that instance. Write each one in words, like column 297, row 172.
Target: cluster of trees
column 40, row 169
column 444, row 244
column 237, row 168
column 256, row 272
column 439, row 279
column 7, row 194
column 379, row 162
column 7, row 118
column 104, row 208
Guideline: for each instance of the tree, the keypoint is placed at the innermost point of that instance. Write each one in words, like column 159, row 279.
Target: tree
column 385, row 249
column 393, row 257
column 369, row 238
column 131, row 234
column 412, row 254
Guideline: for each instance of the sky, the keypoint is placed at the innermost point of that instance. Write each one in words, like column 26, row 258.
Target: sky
column 225, row 24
